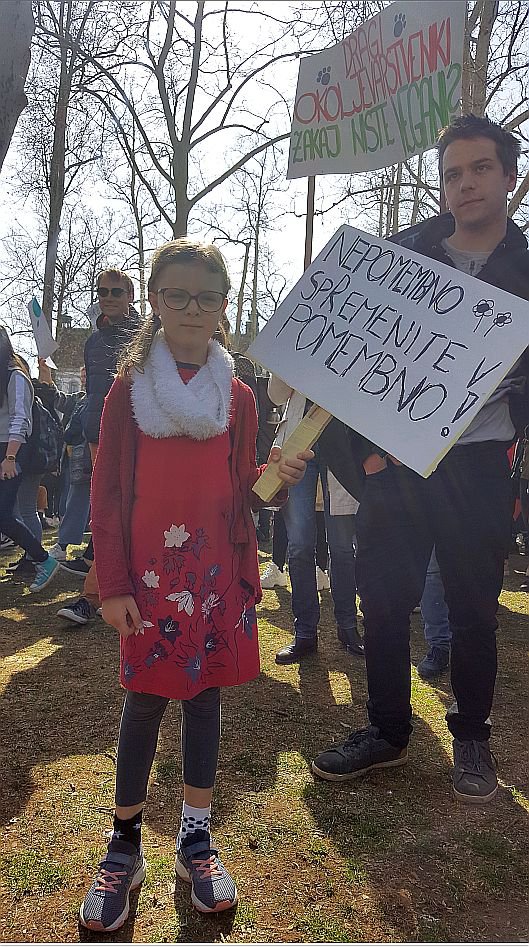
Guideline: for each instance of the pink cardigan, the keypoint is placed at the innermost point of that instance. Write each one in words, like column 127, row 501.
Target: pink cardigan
column 113, row 488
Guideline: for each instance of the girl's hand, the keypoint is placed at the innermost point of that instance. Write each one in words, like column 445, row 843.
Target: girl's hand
column 44, row 372
column 8, row 469
column 292, row 469
column 122, row 613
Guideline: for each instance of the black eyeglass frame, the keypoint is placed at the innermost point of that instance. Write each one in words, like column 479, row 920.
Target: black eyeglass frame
column 115, row 291
column 205, row 292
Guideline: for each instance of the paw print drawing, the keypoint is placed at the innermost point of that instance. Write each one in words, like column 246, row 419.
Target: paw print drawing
column 399, row 25
column 324, row 75
column 483, row 309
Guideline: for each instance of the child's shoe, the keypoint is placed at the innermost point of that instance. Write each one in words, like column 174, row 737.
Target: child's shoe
column 106, row 906
column 212, row 887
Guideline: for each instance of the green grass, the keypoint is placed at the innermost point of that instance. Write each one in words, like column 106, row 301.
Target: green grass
column 323, row 928
column 32, row 873
column 355, row 871
column 168, row 771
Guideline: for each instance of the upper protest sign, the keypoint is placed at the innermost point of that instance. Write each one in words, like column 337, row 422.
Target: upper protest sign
column 382, row 94
column 402, row 348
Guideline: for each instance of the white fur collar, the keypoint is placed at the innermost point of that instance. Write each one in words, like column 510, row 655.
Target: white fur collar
column 166, row 407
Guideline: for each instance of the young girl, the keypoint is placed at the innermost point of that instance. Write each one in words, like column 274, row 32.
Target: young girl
column 176, row 557
column 16, row 401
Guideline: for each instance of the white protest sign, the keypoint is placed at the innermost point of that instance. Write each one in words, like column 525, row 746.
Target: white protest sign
column 46, row 344
column 381, row 95
column 400, row 347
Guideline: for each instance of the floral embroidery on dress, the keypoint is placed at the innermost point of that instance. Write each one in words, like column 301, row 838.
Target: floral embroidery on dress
column 176, row 536
column 169, row 628
column 199, row 627
column 184, row 599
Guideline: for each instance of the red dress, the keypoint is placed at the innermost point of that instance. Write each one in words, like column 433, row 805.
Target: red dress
column 197, row 608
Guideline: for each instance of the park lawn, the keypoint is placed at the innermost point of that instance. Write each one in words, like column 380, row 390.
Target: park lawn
column 391, row 857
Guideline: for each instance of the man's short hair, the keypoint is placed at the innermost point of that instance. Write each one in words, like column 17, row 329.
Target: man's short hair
column 474, row 126
column 117, row 276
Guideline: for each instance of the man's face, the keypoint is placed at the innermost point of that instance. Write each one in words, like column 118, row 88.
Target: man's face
column 114, row 305
column 475, row 183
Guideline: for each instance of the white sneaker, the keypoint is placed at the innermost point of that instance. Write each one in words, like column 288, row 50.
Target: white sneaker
column 323, row 583
column 57, row 552
column 272, row 575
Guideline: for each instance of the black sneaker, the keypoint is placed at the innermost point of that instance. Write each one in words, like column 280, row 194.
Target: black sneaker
column 76, row 567
column 298, row 649
column 434, row 663
column 474, row 776
column 363, row 751
column 106, row 906
column 24, row 568
column 351, row 641
column 80, row 611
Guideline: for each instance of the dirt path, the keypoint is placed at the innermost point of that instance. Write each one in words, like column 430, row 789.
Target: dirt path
column 388, row 858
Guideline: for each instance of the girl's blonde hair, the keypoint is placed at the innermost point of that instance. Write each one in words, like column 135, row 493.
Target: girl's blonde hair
column 135, row 354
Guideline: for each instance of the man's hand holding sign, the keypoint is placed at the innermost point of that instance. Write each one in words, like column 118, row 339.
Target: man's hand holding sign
column 400, row 348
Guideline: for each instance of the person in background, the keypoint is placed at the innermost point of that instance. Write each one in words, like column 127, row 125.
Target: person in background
column 300, row 520
column 16, row 400
column 437, row 632
column 115, row 327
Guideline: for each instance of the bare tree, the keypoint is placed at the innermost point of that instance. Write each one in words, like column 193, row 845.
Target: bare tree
column 16, row 30
column 188, row 89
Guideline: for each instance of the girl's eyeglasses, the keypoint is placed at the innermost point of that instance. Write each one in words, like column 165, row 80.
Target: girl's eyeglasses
column 116, row 291
column 208, row 301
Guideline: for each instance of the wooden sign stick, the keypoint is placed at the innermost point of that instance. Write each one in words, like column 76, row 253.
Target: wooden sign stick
column 302, row 438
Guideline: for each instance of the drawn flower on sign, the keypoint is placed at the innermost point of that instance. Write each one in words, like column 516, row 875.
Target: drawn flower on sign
column 151, row 580
column 176, row 536
column 483, row 309
column 500, row 319
column 184, row 599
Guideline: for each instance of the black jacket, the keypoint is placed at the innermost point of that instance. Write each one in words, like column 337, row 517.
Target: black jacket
column 343, row 449
column 100, row 357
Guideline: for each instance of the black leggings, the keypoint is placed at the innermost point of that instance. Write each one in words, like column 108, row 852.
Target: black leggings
column 138, row 736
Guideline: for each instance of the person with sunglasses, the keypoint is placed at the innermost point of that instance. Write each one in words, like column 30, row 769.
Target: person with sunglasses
column 115, row 327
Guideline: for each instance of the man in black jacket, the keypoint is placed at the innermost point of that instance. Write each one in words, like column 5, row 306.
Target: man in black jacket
column 115, row 327
column 464, row 507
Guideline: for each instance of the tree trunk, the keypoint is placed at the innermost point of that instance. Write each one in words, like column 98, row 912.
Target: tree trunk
column 396, row 199
column 240, row 298
column 481, row 62
column 57, row 172
column 16, row 30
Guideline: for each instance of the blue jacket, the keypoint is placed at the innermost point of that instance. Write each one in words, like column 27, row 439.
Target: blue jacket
column 100, row 357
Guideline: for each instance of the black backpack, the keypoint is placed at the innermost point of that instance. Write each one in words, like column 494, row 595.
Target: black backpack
column 43, row 448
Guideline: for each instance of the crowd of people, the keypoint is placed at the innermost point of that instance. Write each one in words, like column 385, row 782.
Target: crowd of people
column 159, row 452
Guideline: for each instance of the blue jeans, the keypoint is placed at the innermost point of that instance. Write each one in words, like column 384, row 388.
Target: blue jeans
column 300, row 520
column 26, row 504
column 434, row 610
column 73, row 523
